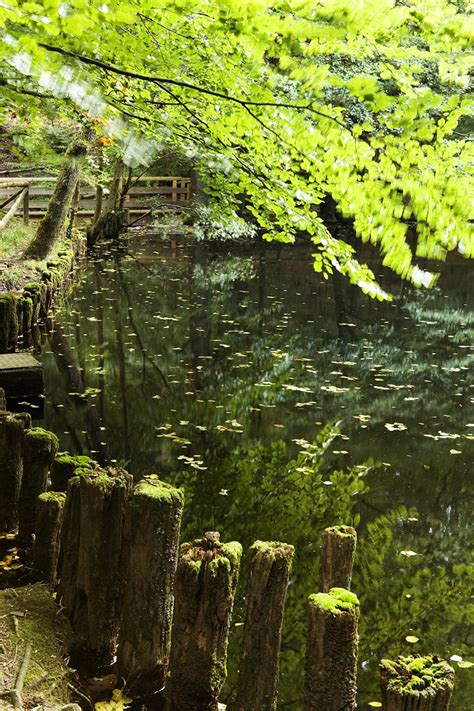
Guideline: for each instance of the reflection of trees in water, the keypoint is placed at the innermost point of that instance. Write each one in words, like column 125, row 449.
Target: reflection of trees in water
column 73, row 386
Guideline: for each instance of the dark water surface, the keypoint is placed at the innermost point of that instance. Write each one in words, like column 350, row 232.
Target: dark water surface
column 283, row 404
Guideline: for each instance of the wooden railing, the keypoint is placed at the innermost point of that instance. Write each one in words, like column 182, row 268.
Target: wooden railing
column 30, row 196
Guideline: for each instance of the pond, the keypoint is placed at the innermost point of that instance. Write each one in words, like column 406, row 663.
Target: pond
column 283, row 403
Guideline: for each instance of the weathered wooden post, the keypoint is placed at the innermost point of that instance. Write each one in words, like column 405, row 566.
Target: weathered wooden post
column 26, row 205
column 12, row 428
column 206, row 579
column 48, row 535
column 257, row 684
column 337, row 557
column 39, row 450
column 331, row 651
column 3, row 401
column 64, row 468
column 151, row 545
column 92, row 596
column 416, row 683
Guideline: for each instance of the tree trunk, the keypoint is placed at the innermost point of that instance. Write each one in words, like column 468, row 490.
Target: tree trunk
column 416, row 683
column 11, row 467
column 39, row 450
column 331, row 654
column 206, row 579
column 337, row 557
column 257, row 684
column 48, row 536
column 94, row 611
column 53, row 223
column 151, row 544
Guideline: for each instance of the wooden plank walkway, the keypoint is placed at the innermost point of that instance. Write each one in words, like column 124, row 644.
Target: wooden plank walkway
column 147, row 191
column 21, row 375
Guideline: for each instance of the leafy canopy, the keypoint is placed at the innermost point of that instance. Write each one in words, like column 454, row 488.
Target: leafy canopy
column 281, row 104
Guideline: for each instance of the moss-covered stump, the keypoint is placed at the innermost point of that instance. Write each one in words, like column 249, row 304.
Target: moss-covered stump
column 8, row 322
column 12, row 429
column 29, row 616
column 69, row 544
column 39, row 450
column 337, row 557
column 206, row 579
column 416, row 683
column 64, row 467
column 257, row 684
column 48, row 536
column 92, row 596
column 151, row 545
column 331, row 652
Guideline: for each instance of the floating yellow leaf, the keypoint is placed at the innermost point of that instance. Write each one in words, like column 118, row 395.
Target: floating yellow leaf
column 412, row 639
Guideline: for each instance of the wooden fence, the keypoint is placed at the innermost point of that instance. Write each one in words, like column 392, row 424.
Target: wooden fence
column 30, row 196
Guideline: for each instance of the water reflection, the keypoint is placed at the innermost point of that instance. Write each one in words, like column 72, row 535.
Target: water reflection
column 219, row 371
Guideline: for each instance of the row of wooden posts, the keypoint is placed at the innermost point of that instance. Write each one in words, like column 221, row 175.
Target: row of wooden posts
column 29, row 196
column 111, row 550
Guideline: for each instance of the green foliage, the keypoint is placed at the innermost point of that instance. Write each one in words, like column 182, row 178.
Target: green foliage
column 281, row 104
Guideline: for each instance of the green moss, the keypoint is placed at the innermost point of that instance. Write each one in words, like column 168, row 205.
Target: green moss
column 47, row 632
column 80, row 460
column 233, row 552
column 272, row 549
column 336, row 601
column 342, row 531
column 50, row 496
column 159, row 490
column 417, row 675
column 42, row 440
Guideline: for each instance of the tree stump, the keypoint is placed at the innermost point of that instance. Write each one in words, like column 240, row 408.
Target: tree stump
column 92, row 599
column 337, row 557
column 39, row 450
column 151, row 545
column 64, row 468
column 48, row 536
column 416, row 683
column 331, row 651
column 206, row 579
column 11, row 467
column 257, row 684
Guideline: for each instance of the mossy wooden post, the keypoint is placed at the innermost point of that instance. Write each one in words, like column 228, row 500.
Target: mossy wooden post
column 3, row 401
column 151, row 545
column 257, row 684
column 206, row 579
column 64, row 468
column 48, row 536
column 8, row 322
column 416, row 683
column 39, row 450
column 337, row 557
column 69, row 546
column 95, row 601
column 12, row 429
column 331, row 651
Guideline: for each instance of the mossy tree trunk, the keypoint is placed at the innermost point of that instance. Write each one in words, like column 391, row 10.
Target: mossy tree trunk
column 331, row 652
column 48, row 536
column 95, row 599
column 151, row 545
column 53, row 223
column 416, row 683
column 337, row 557
column 206, row 579
column 264, row 605
column 39, row 450
column 12, row 428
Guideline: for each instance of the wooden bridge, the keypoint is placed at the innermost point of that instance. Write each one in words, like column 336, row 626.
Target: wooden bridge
column 29, row 196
